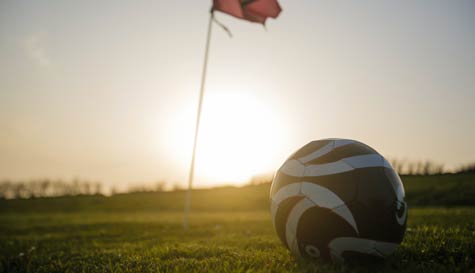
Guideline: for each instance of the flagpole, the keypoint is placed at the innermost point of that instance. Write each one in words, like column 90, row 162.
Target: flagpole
column 197, row 125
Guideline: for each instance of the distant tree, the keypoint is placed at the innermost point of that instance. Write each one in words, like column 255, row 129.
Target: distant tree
column 440, row 169
column 468, row 168
column 97, row 188
column 426, row 168
column 420, row 167
column 398, row 165
column 177, row 186
column 75, row 187
column 160, row 185
column 4, row 188
column 411, row 168
column 44, row 187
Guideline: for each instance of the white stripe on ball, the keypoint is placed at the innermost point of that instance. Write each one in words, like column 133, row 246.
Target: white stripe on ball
column 294, row 167
column 376, row 248
column 315, row 195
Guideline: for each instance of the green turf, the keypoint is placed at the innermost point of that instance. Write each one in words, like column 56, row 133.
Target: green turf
column 231, row 231
column 437, row 240
column 445, row 190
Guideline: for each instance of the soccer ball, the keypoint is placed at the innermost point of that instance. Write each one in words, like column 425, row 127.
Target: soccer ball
column 338, row 200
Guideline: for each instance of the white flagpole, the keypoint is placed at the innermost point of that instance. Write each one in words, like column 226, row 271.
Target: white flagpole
column 197, row 125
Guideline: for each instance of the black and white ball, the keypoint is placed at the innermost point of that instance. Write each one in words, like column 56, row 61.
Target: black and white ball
column 338, row 199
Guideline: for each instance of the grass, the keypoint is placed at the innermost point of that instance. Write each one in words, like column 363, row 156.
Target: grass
column 445, row 190
column 231, row 231
column 437, row 240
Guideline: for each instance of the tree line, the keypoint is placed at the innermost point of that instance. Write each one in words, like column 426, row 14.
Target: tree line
column 406, row 167
column 46, row 187
column 49, row 188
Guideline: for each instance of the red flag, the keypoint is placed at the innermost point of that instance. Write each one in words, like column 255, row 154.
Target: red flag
column 252, row 10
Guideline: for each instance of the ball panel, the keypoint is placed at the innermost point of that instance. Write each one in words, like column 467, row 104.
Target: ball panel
column 365, row 161
column 310, row 148
column 317, row 227
column 374, row 191
column 400, row 212
column 343, row 184
column 343, row 248
column 396, row 182
column 293, row 167
column 349, row 150
column 282, row 213
column 293, row 222
column 317, row 153
column 327, row 168
column 376, row 223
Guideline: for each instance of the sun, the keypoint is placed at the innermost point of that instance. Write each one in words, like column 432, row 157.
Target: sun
column 239, row 137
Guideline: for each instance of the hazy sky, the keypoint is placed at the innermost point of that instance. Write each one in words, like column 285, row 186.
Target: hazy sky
column 107, row 90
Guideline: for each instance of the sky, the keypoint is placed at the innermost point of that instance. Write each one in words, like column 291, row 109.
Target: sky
column 107, row 90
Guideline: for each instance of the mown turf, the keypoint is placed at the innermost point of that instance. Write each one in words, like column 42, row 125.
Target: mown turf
column 231, row 231
column 437, row 240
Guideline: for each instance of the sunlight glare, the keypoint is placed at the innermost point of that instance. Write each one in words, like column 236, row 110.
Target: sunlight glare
column 238, row 138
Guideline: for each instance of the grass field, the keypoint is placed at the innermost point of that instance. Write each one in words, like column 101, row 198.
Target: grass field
column 231, row 231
